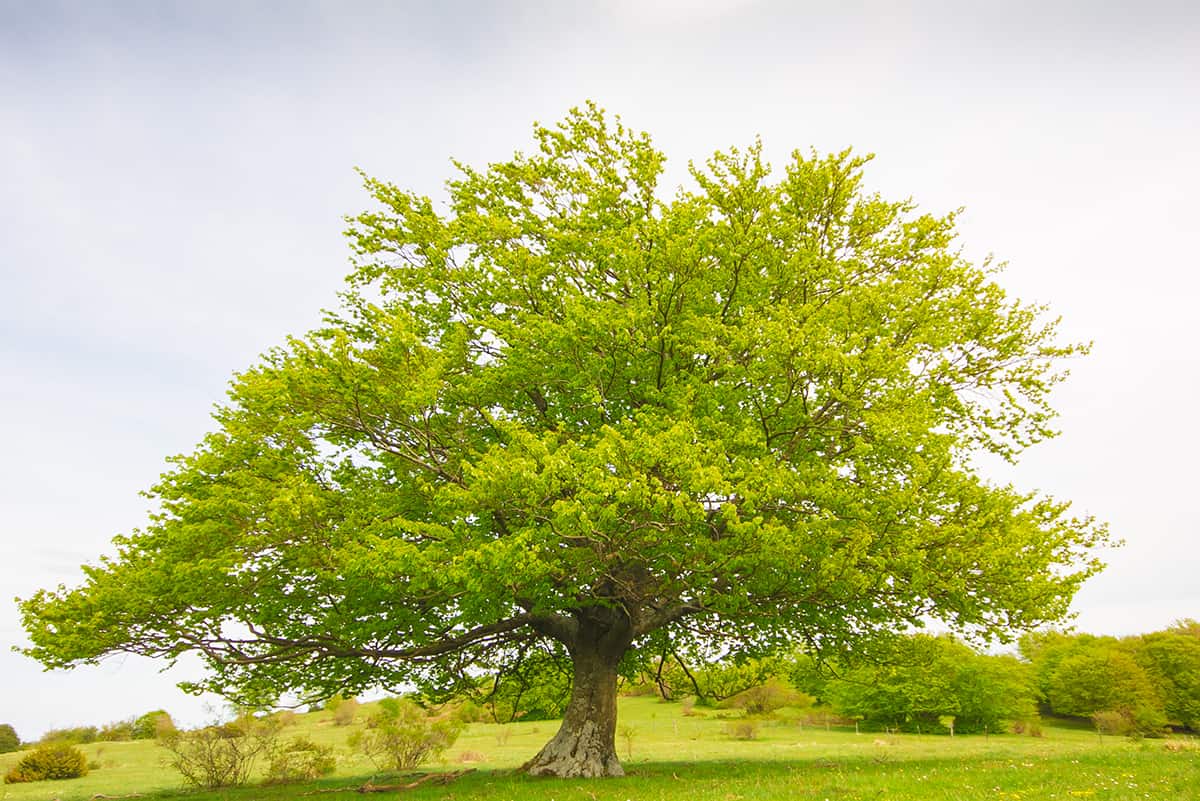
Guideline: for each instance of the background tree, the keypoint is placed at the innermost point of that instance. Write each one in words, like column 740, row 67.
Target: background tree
column 9, row 741
column 566, row 407
column 1146, row 682
column 152, row 724
column 933, row 679
column 1172, row 658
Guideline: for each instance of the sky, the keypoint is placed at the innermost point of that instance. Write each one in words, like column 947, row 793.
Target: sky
column 173, row 178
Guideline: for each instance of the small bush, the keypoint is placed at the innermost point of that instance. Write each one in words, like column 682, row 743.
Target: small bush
column 77, row 735
column 285, row 718
column 1112, row 722
column 117, row 731
column 300, row 760
column 220, row 756
column 50, row 761
column 628, row 734
column 742, row 729
column 153, row 725
column 1030, row 726
column 402, row 735
column 9, row 741
column 345, row 712
column 767, row 698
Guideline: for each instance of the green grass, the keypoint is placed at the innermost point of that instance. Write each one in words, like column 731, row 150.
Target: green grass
column 676, row 758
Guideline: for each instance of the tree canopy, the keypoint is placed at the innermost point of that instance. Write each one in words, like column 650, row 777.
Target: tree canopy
column 564, row 412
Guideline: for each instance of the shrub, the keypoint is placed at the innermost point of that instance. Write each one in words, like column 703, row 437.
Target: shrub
column 1111, row 721
column 49, row 761
column 299, row 760
column 285, row 718
column 220, row 756
column 345, row 711
column 742, row 729
column 71, row 736
column 402, row 735
column 1144, row 721
column 9, row 741
column 152, row 725
column 1031, row 726
column 771, row 696
column 117, row 731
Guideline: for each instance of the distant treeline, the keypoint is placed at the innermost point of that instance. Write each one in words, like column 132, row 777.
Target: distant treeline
column 1143, row 685
column 144, row 727
column 1140, row 685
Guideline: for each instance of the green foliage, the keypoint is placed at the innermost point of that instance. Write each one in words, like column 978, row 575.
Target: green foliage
column 220, row 755
column 1098, row 679
column 345, row 710
column 1148, row 681
column 57, row 760
column 710, row 682
column 934, row 679
column 75, row 735
column 566, row 406
column 152, row 724
column 1172, row 659
column 299, row 759
column 9, row 741
column 742, row 729
column 401, row 735
column 534, row 688
column 116, row 731
column 769, row 697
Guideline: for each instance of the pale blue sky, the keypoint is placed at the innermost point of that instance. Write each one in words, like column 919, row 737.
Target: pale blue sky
column 172, row 178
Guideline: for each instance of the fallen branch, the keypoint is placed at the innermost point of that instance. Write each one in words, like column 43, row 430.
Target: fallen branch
column 428, row 778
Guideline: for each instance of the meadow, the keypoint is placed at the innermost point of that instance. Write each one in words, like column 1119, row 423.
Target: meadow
column 672, row 757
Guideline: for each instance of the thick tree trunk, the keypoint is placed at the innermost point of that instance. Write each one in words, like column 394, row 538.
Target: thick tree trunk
column 585, row 745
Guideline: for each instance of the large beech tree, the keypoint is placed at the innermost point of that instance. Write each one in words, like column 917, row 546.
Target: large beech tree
column 566, row 414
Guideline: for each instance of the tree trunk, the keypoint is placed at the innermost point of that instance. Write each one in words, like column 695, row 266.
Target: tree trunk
column 585, row 745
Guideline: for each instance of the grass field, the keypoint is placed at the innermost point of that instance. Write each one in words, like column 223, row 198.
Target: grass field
column 670, row 757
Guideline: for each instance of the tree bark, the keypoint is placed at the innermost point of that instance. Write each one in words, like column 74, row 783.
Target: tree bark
column 585, row 745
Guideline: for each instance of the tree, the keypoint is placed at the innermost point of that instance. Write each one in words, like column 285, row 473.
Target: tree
column 9, row 741
column 935, row 683
column 1101, row 677
column 152, row 724
column 567, row 408
column 1172, row 658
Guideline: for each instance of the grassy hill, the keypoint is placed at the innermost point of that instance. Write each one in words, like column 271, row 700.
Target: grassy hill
column 670, row 756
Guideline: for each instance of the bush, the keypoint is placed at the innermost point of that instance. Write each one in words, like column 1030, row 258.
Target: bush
column 153, row 725
column 1143, row 721
column 300, row 760
column 50, row 761
column 767, row 698
column 1031, row 726
column 345, row 711
column 742, row 729
column 9, row 741
column 78, row 735
column 402, row 735
column 117, row 731
column 285, row 718
column 1112, row 722
column 220, row 756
